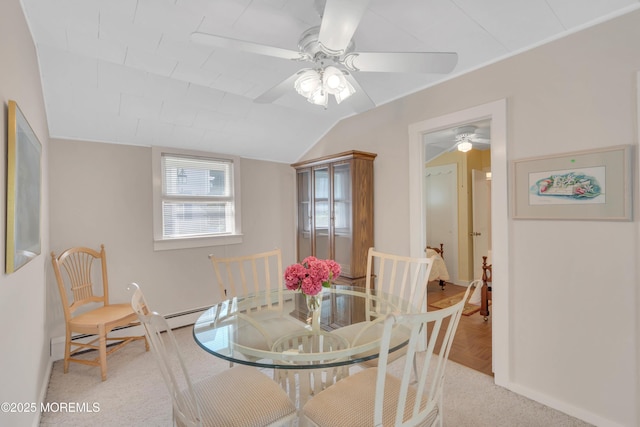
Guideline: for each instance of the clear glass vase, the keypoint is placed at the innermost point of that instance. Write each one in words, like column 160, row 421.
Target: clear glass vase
column 314, row 305
column 314, row 302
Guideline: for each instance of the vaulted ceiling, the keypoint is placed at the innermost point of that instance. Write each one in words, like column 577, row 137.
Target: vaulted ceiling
column 128, row 71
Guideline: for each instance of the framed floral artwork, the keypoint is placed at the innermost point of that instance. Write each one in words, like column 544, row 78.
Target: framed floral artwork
column 582, row 185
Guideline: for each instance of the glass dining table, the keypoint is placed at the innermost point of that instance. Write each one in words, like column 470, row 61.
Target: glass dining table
column 308, row 350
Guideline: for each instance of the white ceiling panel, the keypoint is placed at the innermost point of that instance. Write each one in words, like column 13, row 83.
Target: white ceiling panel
column 102, row 101
column 575, row 13
column 178, row 113
column 516, row 23
column 121, row 79
column 100, row 48
column 150, row 62
column 150, row 132
column 127, row 71
column 123, row 32
column 139, row 107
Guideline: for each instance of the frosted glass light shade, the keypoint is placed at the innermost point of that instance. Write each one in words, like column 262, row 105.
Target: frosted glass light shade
column 308, row 83
column 465, row 146
column 317, row 85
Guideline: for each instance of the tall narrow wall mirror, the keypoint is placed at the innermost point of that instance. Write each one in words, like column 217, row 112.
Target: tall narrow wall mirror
column 23, row 191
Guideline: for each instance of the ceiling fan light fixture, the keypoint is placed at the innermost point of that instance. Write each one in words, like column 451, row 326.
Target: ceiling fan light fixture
column 319, row 97
column 317, row 85
column 333, row 79
column 465, row 146
column 346, row 92
column 308, row 83
column 336, row 84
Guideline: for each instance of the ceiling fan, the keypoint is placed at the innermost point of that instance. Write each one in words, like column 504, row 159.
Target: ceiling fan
column 467, row 138
column 331, row 51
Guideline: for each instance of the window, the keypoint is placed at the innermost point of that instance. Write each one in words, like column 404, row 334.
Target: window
column 196, row 199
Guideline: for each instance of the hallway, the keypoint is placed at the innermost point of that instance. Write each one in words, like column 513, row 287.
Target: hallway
column 472, row 343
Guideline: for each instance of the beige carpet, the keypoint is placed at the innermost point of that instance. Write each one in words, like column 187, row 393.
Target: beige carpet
column 135, row 395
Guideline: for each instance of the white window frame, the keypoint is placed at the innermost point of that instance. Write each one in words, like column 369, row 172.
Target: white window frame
column 161, row 243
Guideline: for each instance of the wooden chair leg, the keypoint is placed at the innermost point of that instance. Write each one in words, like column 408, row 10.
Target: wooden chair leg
column 103, row 354
column 67, row 351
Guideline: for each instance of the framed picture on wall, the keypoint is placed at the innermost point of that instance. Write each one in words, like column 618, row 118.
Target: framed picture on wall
column 583, row 185
column 23, row 191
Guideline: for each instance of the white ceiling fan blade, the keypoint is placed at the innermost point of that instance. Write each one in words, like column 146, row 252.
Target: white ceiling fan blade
column 402, row 62
column 278, row 90
column 339, row 21
column 480, row 140
column 229, row 43
column 360, row 101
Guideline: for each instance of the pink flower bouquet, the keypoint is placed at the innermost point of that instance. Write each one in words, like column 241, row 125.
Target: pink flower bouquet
column 311, row 275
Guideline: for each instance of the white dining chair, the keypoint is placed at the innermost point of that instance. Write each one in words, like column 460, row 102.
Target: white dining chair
column 403, row 278
column 378, row 397
column 257, row 274
column 240, row 396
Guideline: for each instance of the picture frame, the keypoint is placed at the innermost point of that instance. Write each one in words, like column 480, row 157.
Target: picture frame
column 581, row 185
column 24, row 185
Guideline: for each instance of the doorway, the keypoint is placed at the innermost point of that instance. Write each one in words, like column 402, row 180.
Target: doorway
column 457, row 211
column 456, row 197
column 496, row 112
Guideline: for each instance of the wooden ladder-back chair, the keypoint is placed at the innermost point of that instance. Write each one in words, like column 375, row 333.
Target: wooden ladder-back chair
column 486, row 288
column 88, row 313
column 241, row 396
column 375, row 397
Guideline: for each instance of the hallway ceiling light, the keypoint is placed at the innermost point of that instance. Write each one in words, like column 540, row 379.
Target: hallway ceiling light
column 465, row 146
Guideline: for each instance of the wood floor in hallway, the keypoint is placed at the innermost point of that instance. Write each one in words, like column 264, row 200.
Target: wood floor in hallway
column 472, row 343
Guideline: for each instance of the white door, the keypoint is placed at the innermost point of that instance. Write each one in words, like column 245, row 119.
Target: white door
column 481, row 232
column 441, row 199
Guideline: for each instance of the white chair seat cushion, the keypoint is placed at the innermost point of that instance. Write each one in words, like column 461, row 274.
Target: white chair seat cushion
column 242, row 396
column 350, row 402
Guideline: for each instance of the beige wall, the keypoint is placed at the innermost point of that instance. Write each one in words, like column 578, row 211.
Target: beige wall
column 101, row 193
column 24, row 335
column 573, row 309
column 573, row 305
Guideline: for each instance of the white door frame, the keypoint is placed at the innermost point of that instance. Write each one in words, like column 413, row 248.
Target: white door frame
column 497, row 112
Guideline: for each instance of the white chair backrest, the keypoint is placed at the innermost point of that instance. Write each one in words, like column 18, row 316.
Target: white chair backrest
column 404, row 277
column 242, row 275
column 422, row 401
column 186, row 408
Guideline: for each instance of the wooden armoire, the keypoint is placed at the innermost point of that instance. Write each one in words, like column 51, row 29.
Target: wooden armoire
column 335, row 211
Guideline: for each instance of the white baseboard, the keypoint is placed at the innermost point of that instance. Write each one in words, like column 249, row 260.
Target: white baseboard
column 43, row 391
column 561, row 406
column 175, row 321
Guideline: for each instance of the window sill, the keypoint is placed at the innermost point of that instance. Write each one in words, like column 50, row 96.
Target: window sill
column 196, row 242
